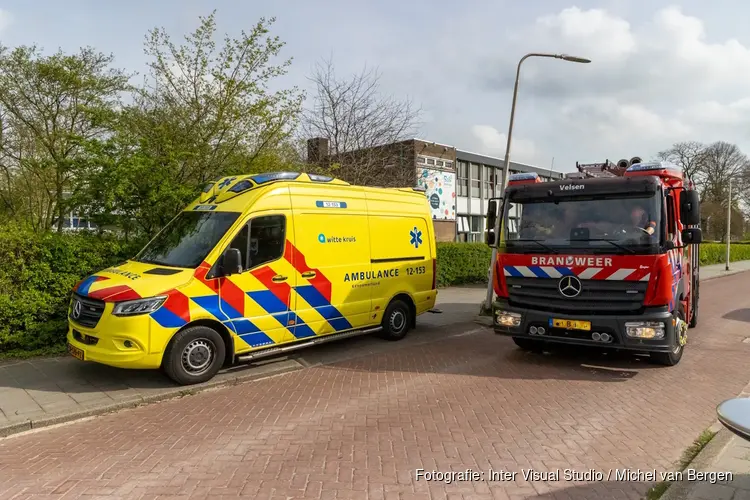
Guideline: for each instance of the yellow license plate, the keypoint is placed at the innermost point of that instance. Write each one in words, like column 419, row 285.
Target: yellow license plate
column 76, row 352
column 571, row 324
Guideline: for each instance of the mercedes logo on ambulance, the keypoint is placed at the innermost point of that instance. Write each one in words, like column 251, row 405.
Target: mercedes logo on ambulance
column 76, row 313
column 569, row 286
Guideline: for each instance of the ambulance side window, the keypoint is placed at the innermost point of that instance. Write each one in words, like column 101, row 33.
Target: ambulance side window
column 267, row 239
column 241, row 243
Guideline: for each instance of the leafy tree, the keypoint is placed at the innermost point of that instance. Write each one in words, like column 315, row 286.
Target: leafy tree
column 200, row 114
column 50, row 106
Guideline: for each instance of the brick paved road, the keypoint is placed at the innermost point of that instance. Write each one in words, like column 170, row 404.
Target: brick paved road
column 359, row 428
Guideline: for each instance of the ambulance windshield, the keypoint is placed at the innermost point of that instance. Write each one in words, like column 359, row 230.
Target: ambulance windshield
column 625, row 224
column 187, row 239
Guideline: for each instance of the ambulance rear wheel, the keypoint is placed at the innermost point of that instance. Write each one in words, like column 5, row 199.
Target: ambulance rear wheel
column 194, row 355
column 396, row 320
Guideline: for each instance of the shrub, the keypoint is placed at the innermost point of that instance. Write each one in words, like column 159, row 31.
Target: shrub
column 462, row 263
column 37, row 274
column 715, row 253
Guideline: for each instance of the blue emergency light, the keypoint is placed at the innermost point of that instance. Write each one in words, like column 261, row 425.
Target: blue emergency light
column 274, row 176
column 523, row 176
column 654, row 165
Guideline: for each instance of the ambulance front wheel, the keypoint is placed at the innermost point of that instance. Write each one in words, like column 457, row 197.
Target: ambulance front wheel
column 194, row 355
column 396, row 320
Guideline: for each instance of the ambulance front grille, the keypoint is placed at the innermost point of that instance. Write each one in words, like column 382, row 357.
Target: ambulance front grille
column 597, row 297
column 91, row 311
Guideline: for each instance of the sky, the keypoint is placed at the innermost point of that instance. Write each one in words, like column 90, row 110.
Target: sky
column 661, row 72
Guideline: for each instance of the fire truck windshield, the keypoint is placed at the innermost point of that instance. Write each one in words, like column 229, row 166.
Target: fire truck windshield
column 598, row 224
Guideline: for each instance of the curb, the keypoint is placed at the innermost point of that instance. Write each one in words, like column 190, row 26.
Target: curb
column 703, row 460
column 724, row 274
column 260, row 373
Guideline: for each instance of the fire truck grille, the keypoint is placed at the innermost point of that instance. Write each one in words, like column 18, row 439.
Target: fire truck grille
column 597, row 297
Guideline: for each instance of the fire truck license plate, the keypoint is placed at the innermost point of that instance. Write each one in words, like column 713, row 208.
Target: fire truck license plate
column 571, row 324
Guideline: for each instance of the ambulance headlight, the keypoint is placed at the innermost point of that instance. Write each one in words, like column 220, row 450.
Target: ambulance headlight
column 644, row 329
column 138, row 306
column 507, row 318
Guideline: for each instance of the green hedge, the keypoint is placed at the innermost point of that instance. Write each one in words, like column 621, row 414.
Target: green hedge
column 37, row 273
column 465, row 263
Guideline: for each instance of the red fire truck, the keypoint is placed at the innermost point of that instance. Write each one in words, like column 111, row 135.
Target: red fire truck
column 608, row 256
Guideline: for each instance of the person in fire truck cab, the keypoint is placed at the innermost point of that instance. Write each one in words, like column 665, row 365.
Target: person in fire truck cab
column 640, row 219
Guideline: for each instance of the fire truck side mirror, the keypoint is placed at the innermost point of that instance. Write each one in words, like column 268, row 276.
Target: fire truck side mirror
column 492, row 215
column 692, row 236
column 690, row 208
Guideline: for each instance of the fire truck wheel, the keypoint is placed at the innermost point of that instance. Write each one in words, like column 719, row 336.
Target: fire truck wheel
column 674, row 356
column 529, row 344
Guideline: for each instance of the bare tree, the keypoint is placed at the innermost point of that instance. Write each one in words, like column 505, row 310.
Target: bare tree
column 360, row 124
column 689, row 155
column 722, row 161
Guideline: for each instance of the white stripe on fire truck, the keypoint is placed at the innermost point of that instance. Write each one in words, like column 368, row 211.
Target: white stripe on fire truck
column 589, row 273
column 620, row 274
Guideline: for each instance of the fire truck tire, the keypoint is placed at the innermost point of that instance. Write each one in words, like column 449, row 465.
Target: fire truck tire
column 674, row 356
column 529, row 344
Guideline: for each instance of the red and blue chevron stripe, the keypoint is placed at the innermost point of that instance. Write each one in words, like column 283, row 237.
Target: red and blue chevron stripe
column 226, row 303
column 110, row 294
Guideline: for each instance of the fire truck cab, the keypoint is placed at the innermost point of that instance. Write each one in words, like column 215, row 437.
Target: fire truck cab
column 606, row 257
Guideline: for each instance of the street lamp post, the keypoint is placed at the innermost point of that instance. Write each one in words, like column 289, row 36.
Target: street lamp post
column 506, row 169
column 729, row 221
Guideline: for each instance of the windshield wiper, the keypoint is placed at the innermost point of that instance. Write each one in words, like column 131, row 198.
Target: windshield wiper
column 549, row 249
column 621, row 247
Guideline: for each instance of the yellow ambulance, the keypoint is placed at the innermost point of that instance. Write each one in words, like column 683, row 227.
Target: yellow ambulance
column 258, row 265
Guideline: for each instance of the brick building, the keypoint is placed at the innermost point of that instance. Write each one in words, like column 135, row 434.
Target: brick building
column 457, row 183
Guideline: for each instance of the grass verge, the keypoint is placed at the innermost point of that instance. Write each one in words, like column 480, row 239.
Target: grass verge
column 688, row 456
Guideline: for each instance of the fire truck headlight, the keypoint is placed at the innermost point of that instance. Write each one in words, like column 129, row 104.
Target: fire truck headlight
column 506, row 318
column 644, row 329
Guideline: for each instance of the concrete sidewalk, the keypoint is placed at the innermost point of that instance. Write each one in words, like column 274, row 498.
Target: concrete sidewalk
column 725, row 455
column 46, row 391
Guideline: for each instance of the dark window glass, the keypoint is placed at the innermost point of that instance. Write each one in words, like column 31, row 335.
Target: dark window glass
column 187, row 239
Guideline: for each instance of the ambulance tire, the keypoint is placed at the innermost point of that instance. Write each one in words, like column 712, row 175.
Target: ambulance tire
column 396, row 321
column 194, row 355
column 674, row 356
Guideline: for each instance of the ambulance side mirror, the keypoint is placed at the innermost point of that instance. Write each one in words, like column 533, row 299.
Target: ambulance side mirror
column 232, row 262
column 690, row 208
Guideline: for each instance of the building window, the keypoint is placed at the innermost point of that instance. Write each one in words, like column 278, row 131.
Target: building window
column 462, row 183
column 430, row 161
column 498, row 182
column 475, row 180
column 488, row 182
column 448, row 164
column 477, row 228
column 421, row 159
column 439, row 163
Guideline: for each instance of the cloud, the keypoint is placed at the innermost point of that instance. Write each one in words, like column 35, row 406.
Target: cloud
column 5, row 20
column 649, row 84
column 488, row 140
